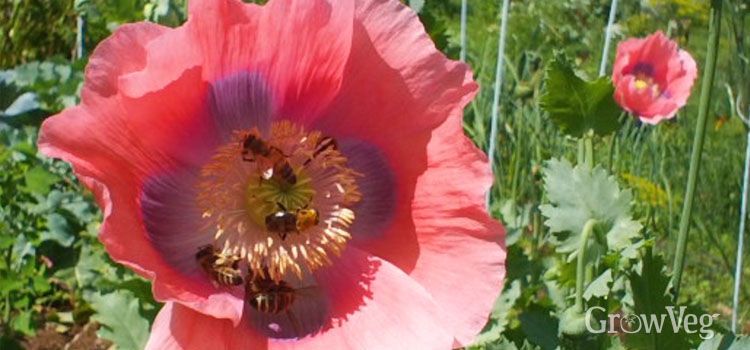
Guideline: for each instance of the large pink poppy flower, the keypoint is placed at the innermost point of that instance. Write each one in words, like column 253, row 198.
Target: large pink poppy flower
column 223, row 132
column 652, row 77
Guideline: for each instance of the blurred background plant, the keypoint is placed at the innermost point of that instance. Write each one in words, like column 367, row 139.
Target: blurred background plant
column 58, row 287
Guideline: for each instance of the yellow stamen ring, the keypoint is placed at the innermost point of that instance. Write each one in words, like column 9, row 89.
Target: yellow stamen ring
column 236, row 195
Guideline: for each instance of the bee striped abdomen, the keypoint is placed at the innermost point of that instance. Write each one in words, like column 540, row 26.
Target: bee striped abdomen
column 228, row 276
column 269, row 297
column 221, row 268
column 272, row 303
column 325, row 143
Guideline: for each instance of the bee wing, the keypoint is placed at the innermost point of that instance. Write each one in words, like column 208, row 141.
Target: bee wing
column 307, row 314
column 310, row 290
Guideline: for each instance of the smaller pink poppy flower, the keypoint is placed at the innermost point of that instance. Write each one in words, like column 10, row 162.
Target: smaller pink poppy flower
column 652, row 77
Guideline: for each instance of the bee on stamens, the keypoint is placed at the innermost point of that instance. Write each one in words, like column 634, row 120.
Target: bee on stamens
column 284, row 222
column 325, row 142
column 274, row 162
column 222, row 268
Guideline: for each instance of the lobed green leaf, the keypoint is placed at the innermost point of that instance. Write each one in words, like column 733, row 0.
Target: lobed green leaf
column 577, row 194
column 576, row 105
column 119, row 314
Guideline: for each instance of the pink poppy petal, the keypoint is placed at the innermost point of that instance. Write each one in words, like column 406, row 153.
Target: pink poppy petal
column 656, row 119
column 142, row 135
column 683, row 70
column 241, row 101
column 397, row 88
column 299, row 47
column 173, row 221
column 398, row 145
column 124, row 240
column 306, row 62
column 188, row 46
column 121, row 53
column 656, row 51
column 621, row 88
column 100, row 140
column 167, row 58
column 375, row 305
column 626, row 51
column 634, row 100
column 395, row 76
column 639, row 99
column 462, row 249
column 375, row 211
column 662, row 109
column 208, row 23
column 200, row 40
column 645, row 104
column 177, row 327
column 641, row 102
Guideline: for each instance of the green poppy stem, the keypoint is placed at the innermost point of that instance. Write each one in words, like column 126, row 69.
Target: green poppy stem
column 588, row 141
column 581, row 157
column 700, row 133
column 588, row 228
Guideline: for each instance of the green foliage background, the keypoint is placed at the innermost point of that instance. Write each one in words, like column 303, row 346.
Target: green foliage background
column 54, row 270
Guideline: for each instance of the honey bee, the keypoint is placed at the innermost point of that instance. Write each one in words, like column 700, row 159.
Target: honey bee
column 325, row 142
column 267, row 295
column 284, row 222
column 270, row 297
column 222, row 268
column 271, row 158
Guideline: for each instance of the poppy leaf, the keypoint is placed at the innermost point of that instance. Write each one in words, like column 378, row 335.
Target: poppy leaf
column 22, row 323
column 500, row 313
column 39, row 180
column 26, row 103
column 577, row 105
column 576, row 195
column 540, row 328
column 725, row 342
column 58, row 230
column 651, row 297
column 122, row 323
column 416, row 5
column 600, row 286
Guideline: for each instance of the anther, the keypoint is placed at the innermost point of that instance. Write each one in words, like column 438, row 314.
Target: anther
column 281, row 201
